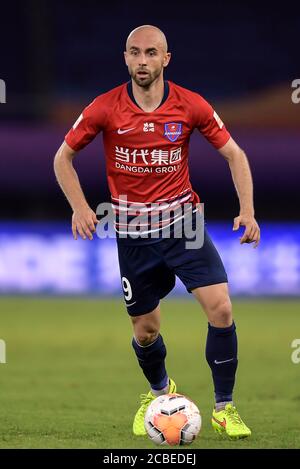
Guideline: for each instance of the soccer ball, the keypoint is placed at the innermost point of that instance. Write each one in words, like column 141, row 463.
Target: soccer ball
column 172, row 419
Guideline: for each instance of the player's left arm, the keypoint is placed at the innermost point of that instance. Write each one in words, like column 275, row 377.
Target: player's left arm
column 242, row 178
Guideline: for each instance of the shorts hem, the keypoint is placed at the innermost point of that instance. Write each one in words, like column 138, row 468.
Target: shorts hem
column 207, row 283
column 146, row 310
column 151, row 306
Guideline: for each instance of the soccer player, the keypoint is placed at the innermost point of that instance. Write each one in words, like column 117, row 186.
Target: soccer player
column 146, row 125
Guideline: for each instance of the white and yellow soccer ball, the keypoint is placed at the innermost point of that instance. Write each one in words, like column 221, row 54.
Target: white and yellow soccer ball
column 172, row 419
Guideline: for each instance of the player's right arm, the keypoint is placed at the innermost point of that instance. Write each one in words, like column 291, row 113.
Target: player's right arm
column 84, row 218
column 90, row 122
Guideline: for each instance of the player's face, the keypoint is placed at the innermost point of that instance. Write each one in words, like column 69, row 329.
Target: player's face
column 145, row 58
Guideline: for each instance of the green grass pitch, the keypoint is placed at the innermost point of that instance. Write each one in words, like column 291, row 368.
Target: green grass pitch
column 71, row 379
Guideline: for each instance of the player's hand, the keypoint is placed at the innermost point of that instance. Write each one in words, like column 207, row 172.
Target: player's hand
column 84, row 222
column 252, row 231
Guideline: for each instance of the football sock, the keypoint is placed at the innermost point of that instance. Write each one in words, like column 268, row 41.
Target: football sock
column 221, row 405
column 160, row 392
column 151, row 359
column 221, row 355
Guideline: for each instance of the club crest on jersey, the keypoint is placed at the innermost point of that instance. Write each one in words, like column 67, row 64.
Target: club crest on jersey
column 173, row 130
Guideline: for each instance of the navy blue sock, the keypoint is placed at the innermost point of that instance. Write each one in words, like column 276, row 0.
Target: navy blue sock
column 151, row 359
column 221, row 355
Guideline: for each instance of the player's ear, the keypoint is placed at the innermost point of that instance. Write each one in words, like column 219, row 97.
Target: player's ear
column 167, row 59
column 125, row 57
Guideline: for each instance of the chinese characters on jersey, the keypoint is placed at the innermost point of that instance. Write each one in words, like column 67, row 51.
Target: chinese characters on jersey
column 146, row 160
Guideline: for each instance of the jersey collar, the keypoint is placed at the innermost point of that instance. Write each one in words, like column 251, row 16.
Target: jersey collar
column 165, row 96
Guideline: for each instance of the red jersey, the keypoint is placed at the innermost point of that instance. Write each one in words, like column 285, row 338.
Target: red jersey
column 147, row 152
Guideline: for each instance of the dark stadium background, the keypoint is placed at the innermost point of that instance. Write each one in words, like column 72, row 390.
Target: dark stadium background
column 57, row 56
column 71, row 378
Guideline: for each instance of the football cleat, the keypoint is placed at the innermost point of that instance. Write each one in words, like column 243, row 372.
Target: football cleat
column 138, row 422
column 227, row 422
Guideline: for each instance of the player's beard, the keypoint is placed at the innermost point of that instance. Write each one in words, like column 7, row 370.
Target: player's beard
column 146, row 82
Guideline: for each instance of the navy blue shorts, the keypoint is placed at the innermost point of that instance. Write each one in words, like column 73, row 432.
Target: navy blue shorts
column 148, row 271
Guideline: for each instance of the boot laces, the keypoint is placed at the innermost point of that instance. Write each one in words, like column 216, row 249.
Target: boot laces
column 145, row 400
column 233, row 415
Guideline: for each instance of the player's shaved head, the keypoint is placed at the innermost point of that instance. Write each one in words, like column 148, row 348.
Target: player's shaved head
column 146, row 55
column 148, row 31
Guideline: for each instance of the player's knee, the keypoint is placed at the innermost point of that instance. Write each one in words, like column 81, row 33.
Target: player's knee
column 146, row 327
column 145, row 331
column 221, row 314
column 146, row 336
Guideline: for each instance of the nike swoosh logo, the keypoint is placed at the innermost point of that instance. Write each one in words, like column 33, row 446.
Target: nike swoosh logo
column 223, row 361
column 223, row 423
column 130, row 304
column 124, row 131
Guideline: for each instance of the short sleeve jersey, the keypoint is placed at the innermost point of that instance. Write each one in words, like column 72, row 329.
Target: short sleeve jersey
column 147, row 152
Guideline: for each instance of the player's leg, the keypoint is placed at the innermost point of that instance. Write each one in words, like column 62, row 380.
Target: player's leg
column 150, row 350
column 145, row 279
column 202, row 272
column 221, row 355
column 221, row 344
